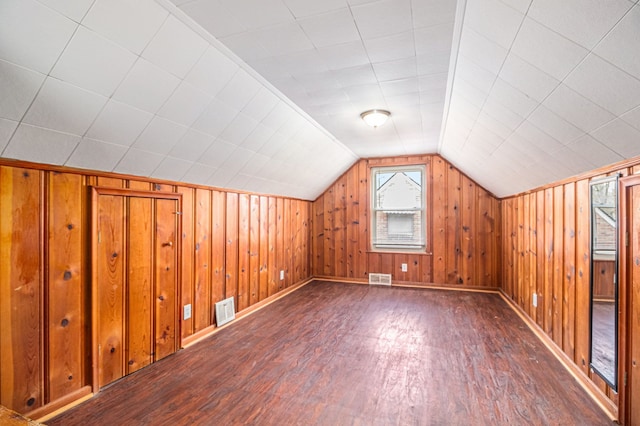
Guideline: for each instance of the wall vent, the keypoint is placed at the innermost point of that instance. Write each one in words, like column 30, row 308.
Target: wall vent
column 225, row 311
column 380, row 279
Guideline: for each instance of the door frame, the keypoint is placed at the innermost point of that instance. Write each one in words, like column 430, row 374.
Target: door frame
column 625, row 309
column 96, row 192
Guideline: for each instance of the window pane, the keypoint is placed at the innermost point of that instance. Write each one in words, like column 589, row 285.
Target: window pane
column 398, row 203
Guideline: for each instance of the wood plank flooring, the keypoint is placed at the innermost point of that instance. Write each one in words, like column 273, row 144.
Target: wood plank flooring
column 345, row 354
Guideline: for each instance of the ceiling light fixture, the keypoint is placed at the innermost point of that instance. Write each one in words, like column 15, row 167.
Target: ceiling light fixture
column 375, row 117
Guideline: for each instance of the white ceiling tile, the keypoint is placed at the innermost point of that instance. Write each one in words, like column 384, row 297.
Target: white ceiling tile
column 302, row 8
column 238, row 130
column 32, row 35
column 620, row 138
column 302, row 63
column 185, row 105
column 435, row 39
column 138, row 162
column 31, row 143
column 217, row 153
column 494, row 125
column 175, row 47
column 399, row 87
column 512, row 98
column 606, row 85
column 336, row 27
column 494, row 20
column 7, row 127
column 382, row 18
column 146, row 86
column 537, row 137
column 482, row 51
column 199, row 173
column 73, row 9
column 395, row 70
column 18, row 88
column 172, row 169
column 521, row 6
column 633, row 118
column 502, row 114
column 621, row 41
column 355, row 76
column 473, row 74
column 595, row 152
column 259, row 13
column 213, row 71
column 63, row 107
column 256, row 161
column 390, row 48
column 192, row 145
column 160, row 136
column 577, row 109
column 433, row 64
column 215, row 118
column 554, row 125
column 119, row 123
column 589, row 20
column 525, row 77
column 547, row 50
column 213, row 17
column 428, row 13
column 96, row 155
column 345, row 55
column 258, row 137
column 283, row 39
column 239, row 91
column 93, row 63
column 246, row 46
column 131, row 24
column 261, row 104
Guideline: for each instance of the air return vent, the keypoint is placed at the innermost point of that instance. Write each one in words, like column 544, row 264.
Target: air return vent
column 225, row 311
column 380, row 279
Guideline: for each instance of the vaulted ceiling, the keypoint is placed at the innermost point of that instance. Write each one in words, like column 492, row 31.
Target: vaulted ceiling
column 266, row 95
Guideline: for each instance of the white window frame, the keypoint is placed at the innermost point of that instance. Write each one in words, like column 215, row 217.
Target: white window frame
column 419, row 246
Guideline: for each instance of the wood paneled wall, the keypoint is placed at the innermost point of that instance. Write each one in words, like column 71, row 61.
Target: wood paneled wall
column 546, row 251
column 462, row 231
column 233, row 244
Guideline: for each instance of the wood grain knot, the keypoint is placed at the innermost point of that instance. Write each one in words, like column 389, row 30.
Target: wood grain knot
column 70, row 377
column 114, row 255
column 67, row 275
column 31, row 401
column 161, row 298
column 112, row 350
column 64, row 322
column 70, row 227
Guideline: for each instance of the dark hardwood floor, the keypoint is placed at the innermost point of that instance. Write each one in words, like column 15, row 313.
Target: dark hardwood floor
column 344, row 354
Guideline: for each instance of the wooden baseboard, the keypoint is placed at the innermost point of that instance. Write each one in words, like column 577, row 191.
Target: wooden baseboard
column 52, row 409
column 211, row 330
column 607, row 406
column 433, row 286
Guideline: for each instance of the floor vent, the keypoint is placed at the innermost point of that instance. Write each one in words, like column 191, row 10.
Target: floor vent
column 380, row 279
column 225, row 311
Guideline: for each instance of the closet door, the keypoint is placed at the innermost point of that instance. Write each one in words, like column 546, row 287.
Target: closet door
column 135, row 281
column 108, row 291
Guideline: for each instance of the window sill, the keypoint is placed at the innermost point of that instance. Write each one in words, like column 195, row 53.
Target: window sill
column 400, row 251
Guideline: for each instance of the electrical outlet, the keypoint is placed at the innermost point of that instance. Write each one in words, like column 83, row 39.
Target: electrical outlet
column 187, row 311
column 404, row 267
column 281, row 275
column 535, row 300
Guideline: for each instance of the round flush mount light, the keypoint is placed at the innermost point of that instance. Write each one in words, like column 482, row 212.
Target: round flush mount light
column 375, row 117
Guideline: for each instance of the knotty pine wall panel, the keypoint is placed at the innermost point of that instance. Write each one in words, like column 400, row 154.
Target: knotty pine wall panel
column 462, row 229
column 45, row 259
column 547, row 251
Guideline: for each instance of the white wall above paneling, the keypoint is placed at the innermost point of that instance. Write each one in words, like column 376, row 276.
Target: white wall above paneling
column 266, row 95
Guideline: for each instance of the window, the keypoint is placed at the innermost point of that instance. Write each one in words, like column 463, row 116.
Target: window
column 398, row 206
